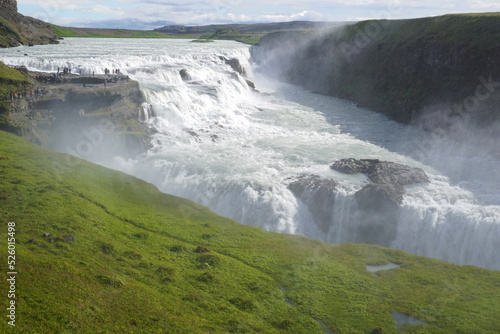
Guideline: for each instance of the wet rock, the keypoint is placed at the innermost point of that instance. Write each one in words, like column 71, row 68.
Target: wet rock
column 378, row 202
column 184, row 75
column 393, row 173
column 68, row 238
column 236, row 65
column 374, row 195
column 193, row 134
column 251, row 84
column 378, row 213
column 353, row 166
column 319, row 195
column 389, row 177
column 22, row 69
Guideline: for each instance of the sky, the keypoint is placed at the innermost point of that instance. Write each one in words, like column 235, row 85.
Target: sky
column 151, row 14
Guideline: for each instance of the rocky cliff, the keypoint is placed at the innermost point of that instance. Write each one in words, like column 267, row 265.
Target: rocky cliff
column 378, row 201
column 87, row 116
column 8, row 5
column 436, row 71
column 17, row 29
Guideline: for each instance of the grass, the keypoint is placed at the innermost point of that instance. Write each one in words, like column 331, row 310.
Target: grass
column 143, row 261
column 11, row 81
column 110, row 33
column 202, row 41
column 468, row 30
column 443, row 36
column 8, row 33
column 251, row 38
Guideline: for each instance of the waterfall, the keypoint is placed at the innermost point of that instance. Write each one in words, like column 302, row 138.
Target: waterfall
column 222, row 144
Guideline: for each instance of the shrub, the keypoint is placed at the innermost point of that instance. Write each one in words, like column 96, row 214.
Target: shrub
column 201, row 249
column 178, row 249
column 206, row 277
column 106, row 248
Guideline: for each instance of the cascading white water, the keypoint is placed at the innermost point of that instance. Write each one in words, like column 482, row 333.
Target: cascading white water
column 223, row 145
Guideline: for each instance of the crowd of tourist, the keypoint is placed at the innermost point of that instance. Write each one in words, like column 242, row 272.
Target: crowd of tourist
column 58, row 78
column 25, row 95
column 115, row 71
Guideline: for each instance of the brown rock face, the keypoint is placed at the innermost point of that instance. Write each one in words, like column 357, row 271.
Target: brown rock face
column 8, row 5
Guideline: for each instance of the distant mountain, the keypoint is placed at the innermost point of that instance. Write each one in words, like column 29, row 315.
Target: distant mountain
column 246, row 28
column 245, row 33
column 17, row 29
column 128, row 24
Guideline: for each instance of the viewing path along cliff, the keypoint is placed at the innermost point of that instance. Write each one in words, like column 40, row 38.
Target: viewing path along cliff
column 83, row 115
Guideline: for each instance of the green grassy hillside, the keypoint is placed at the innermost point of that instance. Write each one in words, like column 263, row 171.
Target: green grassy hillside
column 146, row 262
column 417, row 63
column 9, row 33
column 11, row 81
column 16, row 29
column 108, row 33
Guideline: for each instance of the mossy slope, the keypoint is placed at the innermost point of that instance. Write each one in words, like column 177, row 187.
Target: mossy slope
column 140, row 263
column 11, row 81
column 17, row 29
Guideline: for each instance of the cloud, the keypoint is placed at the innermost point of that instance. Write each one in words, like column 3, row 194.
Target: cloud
column 147, row 13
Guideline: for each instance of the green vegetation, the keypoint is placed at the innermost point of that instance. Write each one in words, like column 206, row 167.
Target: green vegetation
column 109, row 33
column 245, row 33
column 202, row 41
column 11, row 81
column 122, row 257
column 249, row 37
column 227, row 34
column 16, row 29
column 9, row 33
column 64, row 32
column 400, row 67
column 384, row 71
column 468, row 30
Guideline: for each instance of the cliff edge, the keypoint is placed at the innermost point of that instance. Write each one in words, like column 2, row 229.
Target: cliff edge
column 436, row 71
column 17, row 29
column 90, row 117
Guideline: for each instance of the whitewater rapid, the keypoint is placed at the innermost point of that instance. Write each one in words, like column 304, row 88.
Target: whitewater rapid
column 235, row 150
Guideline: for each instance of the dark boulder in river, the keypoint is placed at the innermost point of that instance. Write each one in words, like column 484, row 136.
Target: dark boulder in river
column 378, row 202
column 389, row 177
column 236, row 66
column 374, row 217
column 184, row 75
column 318, row 195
